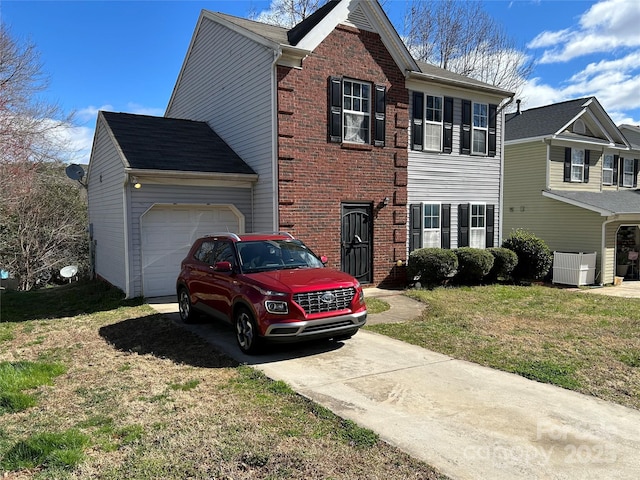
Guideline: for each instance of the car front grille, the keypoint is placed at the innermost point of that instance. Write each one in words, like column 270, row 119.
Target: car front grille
column 325, row 300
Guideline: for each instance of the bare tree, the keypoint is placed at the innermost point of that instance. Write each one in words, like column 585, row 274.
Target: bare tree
column 287, row 13
column 460, row 36
column 42, row 213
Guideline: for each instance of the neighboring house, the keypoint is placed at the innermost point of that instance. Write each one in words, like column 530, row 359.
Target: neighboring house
column 338, row 130
column 571, row 179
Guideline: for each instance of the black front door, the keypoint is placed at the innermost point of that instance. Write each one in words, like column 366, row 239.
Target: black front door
column 357, row 239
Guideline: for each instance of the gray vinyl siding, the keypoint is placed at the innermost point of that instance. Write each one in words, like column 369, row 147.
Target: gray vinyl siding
column 227, row 81
column 106, row 208
column 454, row 178
column 143, row 199
column 556, row 171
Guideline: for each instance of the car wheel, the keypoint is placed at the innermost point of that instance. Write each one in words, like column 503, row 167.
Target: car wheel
column 187, row 313
column 247, row 332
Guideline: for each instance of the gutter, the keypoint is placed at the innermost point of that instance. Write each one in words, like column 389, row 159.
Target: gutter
column 459, row 83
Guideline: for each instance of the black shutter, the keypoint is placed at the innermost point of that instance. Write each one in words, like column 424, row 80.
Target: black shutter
column 587, row 156
column 415, row 227
column 489, row 225
column 335, row 109
column 445, row 226
column 635, row 172
column 416, row 126
column 463, row 225
column 465, row 128
column 447, row 128
column 567, row 164
column 616, row 160
column 380, row 115
column 493, row 113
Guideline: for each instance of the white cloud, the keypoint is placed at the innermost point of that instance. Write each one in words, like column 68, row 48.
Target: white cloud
column 606, row 26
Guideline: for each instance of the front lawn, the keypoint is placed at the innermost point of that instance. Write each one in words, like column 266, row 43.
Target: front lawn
column 96, row 387
column 588, row 343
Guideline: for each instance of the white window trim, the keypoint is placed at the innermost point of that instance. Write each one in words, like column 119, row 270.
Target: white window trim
column 484, row 129
column 357, row 113
column 581, row 180
column 483, row 229
column 607, row 169
column 431, row 122
column 625, row 173
column 431, row 230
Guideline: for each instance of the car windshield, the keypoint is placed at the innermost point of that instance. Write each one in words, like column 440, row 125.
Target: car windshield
column 265, row 255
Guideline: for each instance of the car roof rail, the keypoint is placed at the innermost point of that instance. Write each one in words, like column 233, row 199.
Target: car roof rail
column 224, row 234
column 284, row 234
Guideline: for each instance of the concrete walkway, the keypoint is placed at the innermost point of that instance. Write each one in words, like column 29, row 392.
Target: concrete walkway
column 468, row 421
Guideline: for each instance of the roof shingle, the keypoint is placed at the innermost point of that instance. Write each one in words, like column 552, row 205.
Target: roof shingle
column 160, row 143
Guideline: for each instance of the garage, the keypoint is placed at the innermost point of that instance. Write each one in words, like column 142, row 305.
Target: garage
column 167, row 232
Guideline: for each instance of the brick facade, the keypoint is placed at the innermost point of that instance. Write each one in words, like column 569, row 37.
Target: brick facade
column 315, row 176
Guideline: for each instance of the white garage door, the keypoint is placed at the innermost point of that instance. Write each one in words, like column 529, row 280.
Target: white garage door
column 167, row 235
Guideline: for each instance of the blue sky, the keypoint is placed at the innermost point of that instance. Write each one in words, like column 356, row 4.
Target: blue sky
column 126, row 55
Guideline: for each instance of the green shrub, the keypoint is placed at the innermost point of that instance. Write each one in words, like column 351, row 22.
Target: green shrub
column 431, row 266
column 473, row 265
column 504, row 261
column 534, row 256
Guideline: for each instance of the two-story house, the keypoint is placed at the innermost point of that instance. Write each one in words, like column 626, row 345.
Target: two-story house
column 570, row 178
column 328, row 130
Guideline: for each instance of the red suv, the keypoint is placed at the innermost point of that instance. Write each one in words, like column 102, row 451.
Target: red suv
column 270, row 287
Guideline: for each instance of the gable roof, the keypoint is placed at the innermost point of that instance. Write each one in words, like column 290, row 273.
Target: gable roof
column 542, row 121
column 169, row 144
column 552, row 121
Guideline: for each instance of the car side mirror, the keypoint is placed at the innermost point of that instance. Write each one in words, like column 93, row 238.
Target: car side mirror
column 324, row 259
column 223, row 267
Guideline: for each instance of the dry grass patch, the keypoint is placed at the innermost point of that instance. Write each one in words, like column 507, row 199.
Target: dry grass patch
column 155, row 401
column 587, row 343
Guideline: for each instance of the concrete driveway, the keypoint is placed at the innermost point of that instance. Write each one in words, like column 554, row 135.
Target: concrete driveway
column 468, row 421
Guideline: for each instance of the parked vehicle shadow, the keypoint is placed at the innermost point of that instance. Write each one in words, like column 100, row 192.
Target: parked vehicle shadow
column 208, row 344
column 159, row 336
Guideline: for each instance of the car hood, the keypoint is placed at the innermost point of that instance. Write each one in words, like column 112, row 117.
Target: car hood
column 302, row 280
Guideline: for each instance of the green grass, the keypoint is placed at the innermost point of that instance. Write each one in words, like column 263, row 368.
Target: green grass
column 375, row 305
column 16, row 377
column 59, row 450
column 583, row 342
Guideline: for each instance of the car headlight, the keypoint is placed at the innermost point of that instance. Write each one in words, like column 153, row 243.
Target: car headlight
column 270, row 293
column 276, row 306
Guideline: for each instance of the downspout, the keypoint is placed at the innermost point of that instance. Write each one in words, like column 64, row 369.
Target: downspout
column 274, row 140
column 501, row 193
column 127, row 222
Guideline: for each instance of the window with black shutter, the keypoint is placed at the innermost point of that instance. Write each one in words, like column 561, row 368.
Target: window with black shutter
column 463, row 225
column 465, row 128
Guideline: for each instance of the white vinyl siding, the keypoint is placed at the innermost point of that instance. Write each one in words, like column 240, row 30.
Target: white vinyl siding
column 227, row 72
column 456, row 179
column 107, row 209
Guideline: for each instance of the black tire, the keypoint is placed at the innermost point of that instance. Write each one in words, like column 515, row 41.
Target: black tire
column 247, row 334
column 187, row 312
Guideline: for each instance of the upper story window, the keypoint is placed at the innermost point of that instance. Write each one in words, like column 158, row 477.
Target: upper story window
column 357, row 112
column 628, row 172
column 576, row 165
column 608, row 165
column 480, row 128
column 433, row 123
